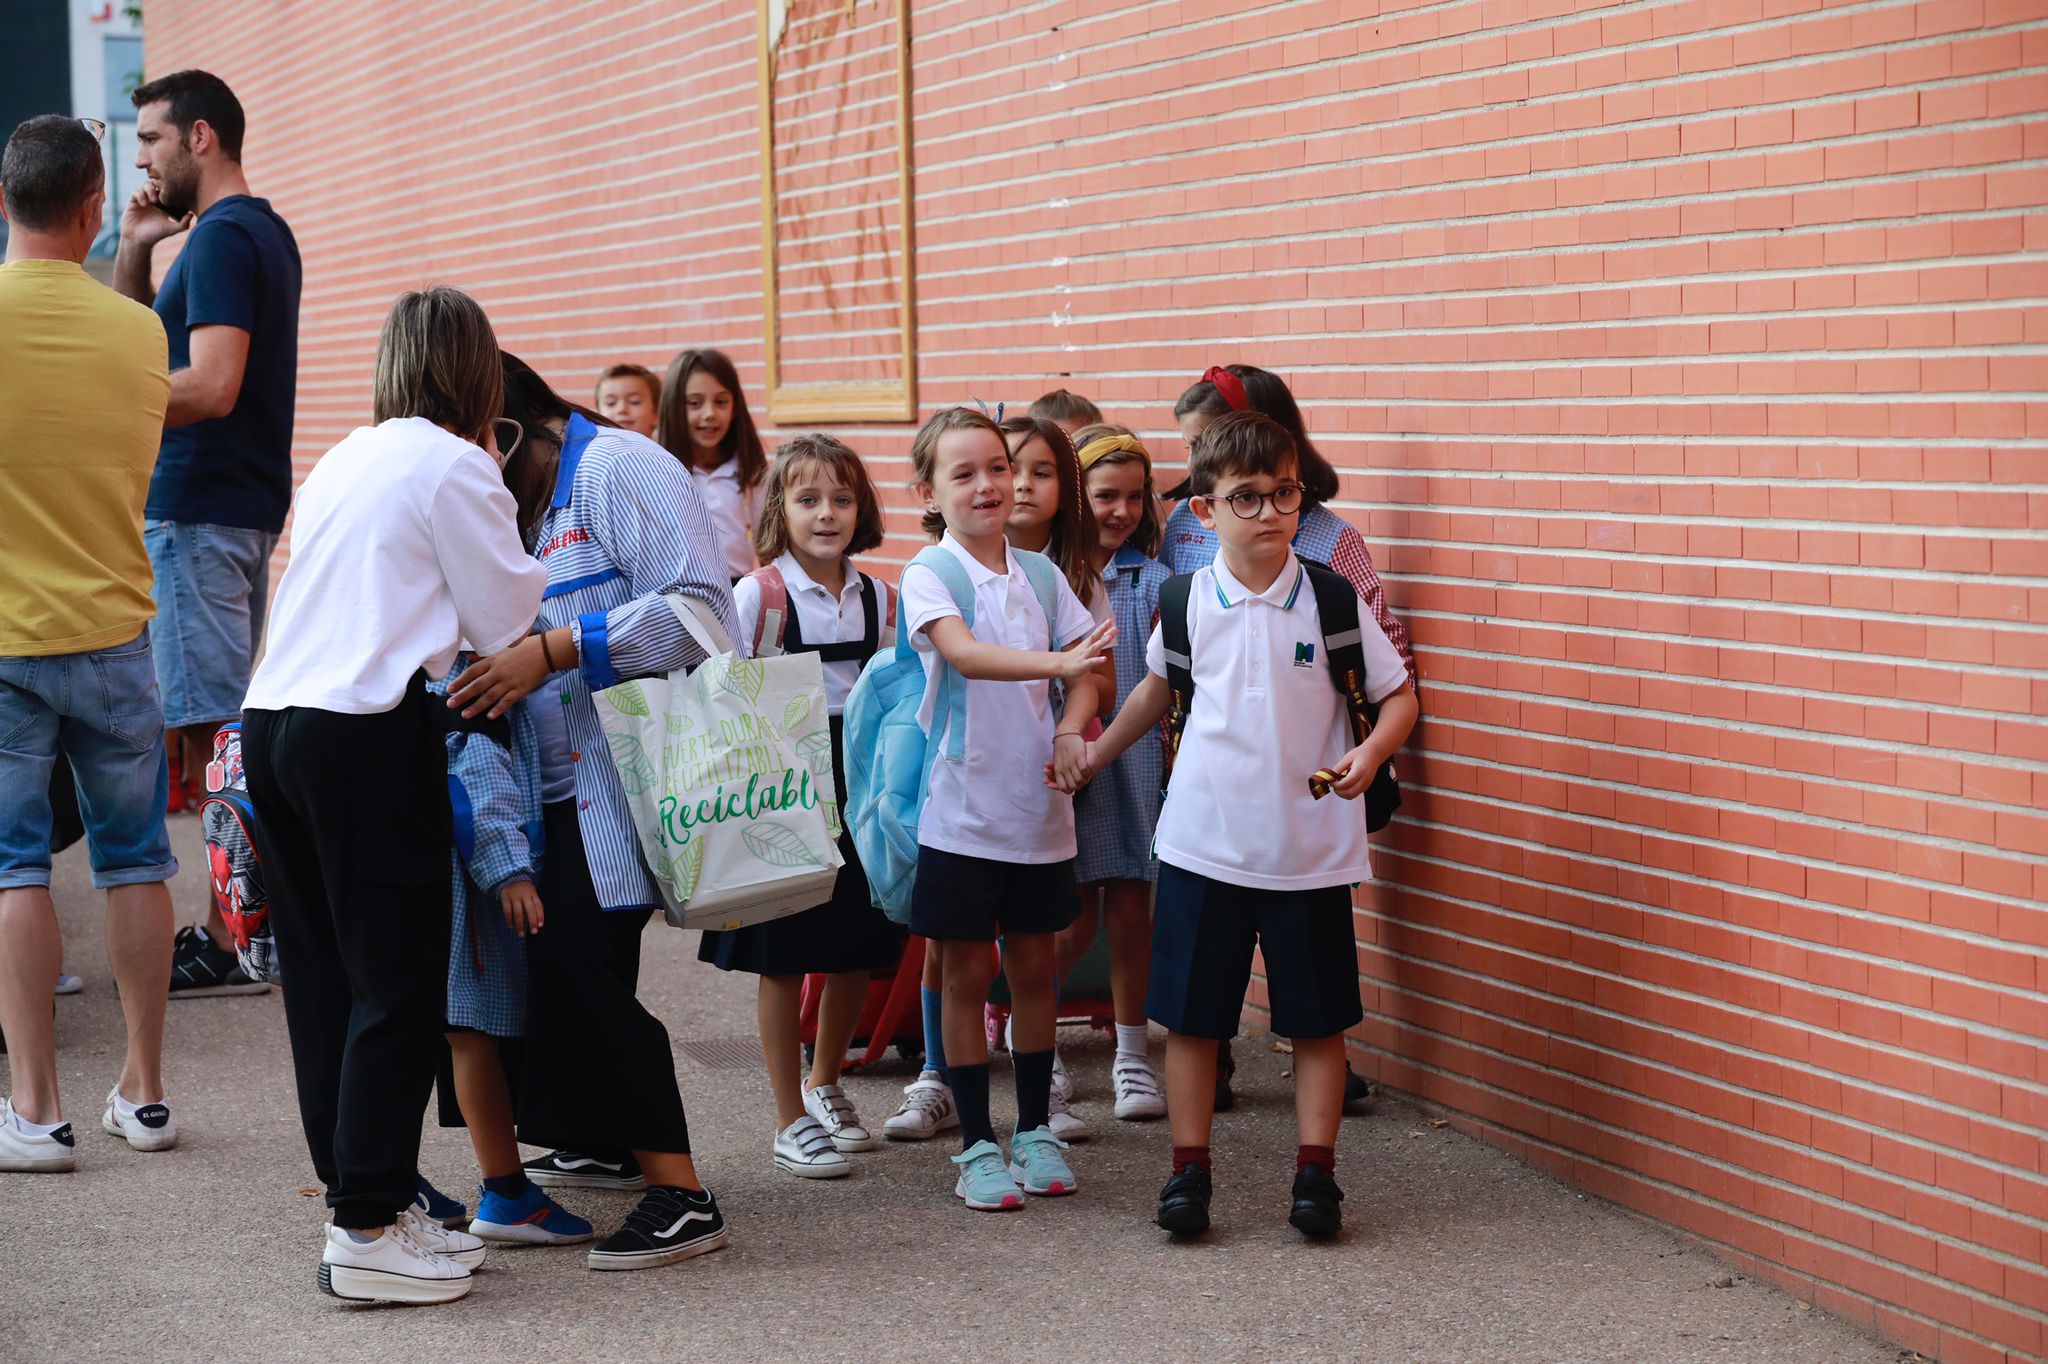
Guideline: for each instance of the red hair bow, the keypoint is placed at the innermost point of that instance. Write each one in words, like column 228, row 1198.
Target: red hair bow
column 1229, row 385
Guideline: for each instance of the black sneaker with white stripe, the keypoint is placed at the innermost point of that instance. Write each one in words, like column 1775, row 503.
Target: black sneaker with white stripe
column 574, row 1170
column 670, row 1224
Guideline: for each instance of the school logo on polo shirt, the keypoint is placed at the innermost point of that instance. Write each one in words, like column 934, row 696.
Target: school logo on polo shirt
column 1304, row 655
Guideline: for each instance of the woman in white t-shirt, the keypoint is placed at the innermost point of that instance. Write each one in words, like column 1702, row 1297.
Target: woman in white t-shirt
column 705, row 424
column 405, row 547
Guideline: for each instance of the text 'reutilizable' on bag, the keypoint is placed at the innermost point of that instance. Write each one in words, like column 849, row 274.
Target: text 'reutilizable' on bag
column 728, row 772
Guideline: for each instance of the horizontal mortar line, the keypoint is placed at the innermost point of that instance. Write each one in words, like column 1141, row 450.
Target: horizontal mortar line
column 1483, row 108
column 1744, row 1173
column 1435, row 648
column 1688, row 758
column 1706, row 1079
column 1694, row 801
column 1546, row 251
column 1070, row 294
column 1166, row 67
column 1955, row 577
column 1405, row 156
column 1753, row 974
column 1593, row 823
column 1740, row 645
column 1126, row 254
column 611, row 93
column 1438, row 685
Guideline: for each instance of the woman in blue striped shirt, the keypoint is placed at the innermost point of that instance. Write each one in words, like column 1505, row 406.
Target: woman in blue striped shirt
column 618, row 525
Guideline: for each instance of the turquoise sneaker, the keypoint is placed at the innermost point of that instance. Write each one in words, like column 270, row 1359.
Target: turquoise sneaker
column 984, row 1185
column 1037, row 1165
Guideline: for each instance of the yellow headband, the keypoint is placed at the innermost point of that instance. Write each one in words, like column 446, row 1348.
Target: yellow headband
column 1104, row 445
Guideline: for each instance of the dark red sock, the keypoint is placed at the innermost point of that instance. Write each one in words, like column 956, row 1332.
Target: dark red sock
column 1305, row 1156
column 1185, row 1156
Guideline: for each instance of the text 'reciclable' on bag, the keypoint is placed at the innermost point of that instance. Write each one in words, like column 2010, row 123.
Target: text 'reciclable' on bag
column 728, row 773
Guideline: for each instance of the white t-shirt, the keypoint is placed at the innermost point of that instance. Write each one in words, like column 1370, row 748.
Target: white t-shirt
column 1265, row 716
column 820, row 619
column 732, row 510
column 405, row 547
column 994, row 803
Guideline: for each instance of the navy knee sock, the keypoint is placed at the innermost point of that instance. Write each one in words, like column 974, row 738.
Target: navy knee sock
column 1034, row 1088
column 934, row 1032
column 970, row 1099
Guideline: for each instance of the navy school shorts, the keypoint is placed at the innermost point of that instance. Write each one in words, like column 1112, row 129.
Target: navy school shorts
column 957, row 898
column 1203, row 933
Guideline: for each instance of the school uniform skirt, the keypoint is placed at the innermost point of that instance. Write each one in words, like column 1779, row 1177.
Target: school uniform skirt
column 846, row 933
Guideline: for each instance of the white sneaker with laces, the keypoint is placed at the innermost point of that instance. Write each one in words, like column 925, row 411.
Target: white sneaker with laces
column 147, row 1127
column 927, row 1110
column 447, row 1242
column 805, row 1149
column 393, row 1268
column 835, row 1113
column 1137, row 1089
column 1066, row 1124
column 1062, row 1079
column 25, row 1152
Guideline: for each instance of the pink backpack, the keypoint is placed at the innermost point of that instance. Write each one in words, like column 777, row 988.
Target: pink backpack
column 772, row 626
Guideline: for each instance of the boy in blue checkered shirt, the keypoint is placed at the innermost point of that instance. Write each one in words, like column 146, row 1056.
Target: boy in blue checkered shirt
column 494, row 796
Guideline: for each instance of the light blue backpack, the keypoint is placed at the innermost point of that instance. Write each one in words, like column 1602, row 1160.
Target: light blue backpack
column 889, row 757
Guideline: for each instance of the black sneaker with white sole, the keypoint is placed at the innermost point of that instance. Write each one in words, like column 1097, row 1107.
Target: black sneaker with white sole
column 574, row 1170
column 203, row 969
column 670, row 1224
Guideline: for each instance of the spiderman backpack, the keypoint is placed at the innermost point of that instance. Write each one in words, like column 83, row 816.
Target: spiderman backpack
column 236, row 869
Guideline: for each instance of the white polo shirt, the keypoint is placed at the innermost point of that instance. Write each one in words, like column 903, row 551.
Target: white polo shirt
column 405, row 543
column 733, row 509
column 1265, row 716
column 821, row 618
column 994, row 803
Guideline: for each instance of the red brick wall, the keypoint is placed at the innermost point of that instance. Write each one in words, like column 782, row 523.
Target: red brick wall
column 1687, row 364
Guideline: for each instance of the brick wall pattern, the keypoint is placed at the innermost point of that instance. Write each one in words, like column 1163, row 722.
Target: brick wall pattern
column 1686, row 360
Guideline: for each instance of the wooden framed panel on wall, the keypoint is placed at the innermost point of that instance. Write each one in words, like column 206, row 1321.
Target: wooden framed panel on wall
column 836, row 222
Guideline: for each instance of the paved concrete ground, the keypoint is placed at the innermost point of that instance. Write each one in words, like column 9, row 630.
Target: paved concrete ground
column 1453, row 1252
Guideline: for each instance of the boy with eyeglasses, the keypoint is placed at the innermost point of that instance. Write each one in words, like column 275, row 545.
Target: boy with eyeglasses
column 1249, row 852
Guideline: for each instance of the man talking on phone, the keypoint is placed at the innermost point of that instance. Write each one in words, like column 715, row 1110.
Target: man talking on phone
column 229, row 304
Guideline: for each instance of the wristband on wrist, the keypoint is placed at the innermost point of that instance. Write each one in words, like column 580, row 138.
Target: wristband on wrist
column 547, row 655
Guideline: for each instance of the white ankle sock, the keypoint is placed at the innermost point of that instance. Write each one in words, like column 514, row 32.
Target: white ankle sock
column 1130, row 1039
column 38, row 1129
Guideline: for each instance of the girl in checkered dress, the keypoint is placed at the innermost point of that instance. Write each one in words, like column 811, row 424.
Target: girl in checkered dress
column 1114, row 814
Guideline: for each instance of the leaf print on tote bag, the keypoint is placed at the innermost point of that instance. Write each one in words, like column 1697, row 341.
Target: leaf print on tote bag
column 779, row 846
column 793, row 714
column 630, row 698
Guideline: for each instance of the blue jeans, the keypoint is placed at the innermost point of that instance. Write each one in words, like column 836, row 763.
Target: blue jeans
column 212, row 589
column 100, row 711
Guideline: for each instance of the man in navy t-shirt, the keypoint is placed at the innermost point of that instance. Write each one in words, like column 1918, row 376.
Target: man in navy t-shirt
column 223, row 481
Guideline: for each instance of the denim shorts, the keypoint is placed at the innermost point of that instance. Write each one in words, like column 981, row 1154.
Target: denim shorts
column 100, row 711
column 212, row 588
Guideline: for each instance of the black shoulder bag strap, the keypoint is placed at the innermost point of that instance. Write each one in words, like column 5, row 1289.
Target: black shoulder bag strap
column 847, row 651
column 1180, row 677
column 1337, row 606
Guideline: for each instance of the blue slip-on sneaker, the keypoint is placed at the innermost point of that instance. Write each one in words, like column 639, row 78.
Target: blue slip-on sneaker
column 985, row 1184
column 436, row 1206
column 1037, row 1165
column 532, row 1219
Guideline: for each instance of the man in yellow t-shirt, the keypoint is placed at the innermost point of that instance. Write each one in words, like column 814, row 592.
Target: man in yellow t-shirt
column 84, row 379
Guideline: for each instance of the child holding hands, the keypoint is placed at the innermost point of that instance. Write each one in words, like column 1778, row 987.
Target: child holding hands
column 1248, row 856
column 996, row 847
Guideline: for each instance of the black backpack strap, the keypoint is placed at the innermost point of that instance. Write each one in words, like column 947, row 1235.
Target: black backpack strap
column 1337, row 606
column 1173, row 639
column 1343, row 645
column 846, row 651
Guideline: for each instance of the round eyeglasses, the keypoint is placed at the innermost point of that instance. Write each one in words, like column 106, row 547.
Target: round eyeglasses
column 1249, row 505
